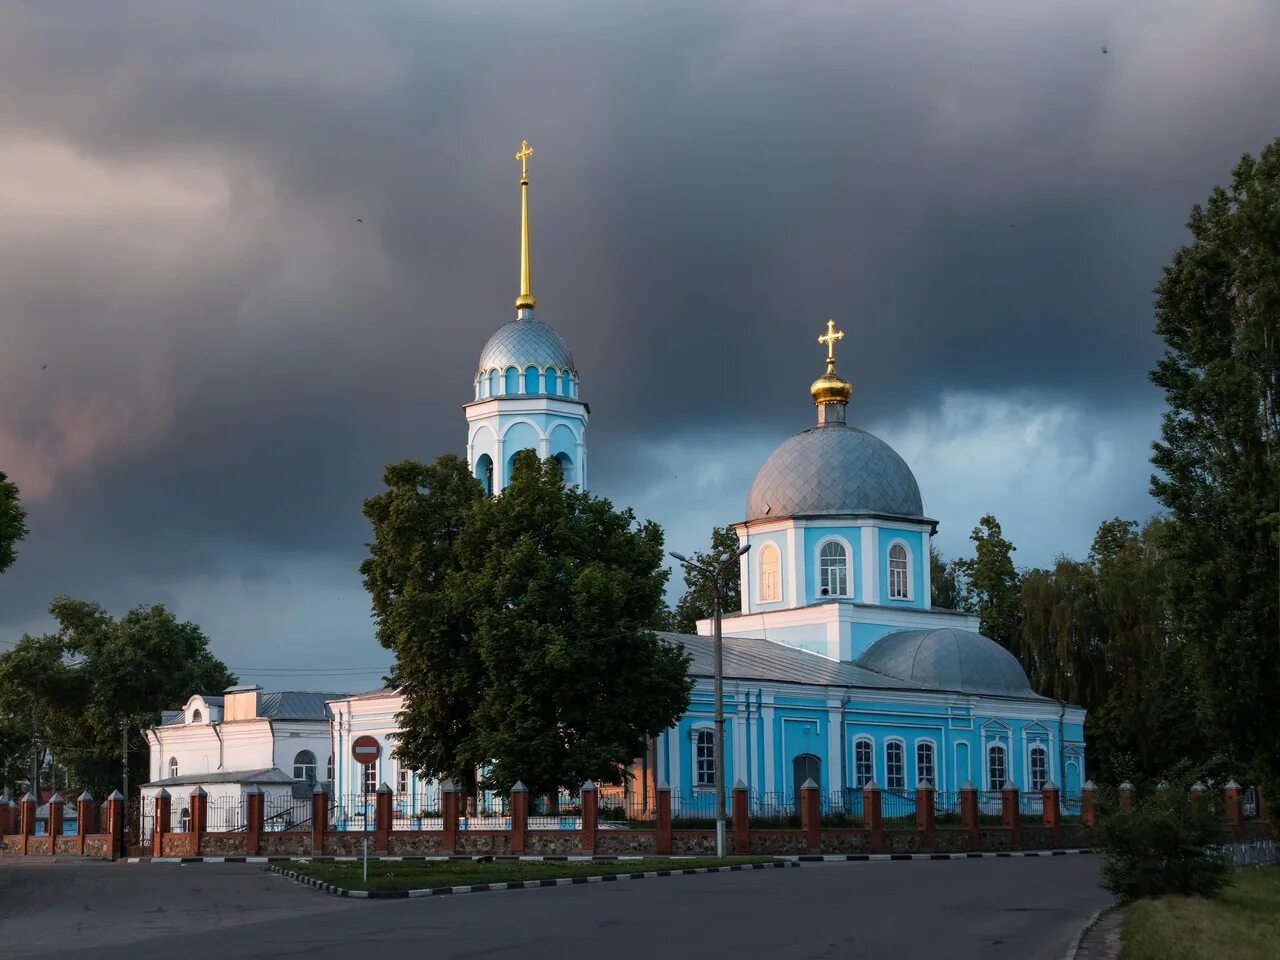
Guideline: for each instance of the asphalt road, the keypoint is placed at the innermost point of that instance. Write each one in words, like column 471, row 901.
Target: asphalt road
column 1027, row 909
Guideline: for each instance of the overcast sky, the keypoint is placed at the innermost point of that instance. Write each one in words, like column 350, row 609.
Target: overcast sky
column 206, row 357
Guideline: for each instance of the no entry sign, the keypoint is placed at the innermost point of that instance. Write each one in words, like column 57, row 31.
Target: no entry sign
column 365, row 749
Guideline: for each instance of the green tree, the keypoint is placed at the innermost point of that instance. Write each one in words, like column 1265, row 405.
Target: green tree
column 992, row 585
column 540, row 603
column 945, row 580
column 96, row 673
column 698, row 602
column 1064, row 637
column 1218, row 312
column 13, row 522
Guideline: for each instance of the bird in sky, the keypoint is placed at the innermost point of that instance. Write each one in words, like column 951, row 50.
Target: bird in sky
column 1104, row 49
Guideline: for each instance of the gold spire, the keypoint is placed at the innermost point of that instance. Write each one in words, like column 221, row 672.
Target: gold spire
column 526, row 295
column 829, row 388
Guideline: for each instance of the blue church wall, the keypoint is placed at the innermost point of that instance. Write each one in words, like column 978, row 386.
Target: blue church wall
column 814, row 537
column 512, row 383
column 531, row 380
column 520, row 435
column 754, row 558
column 865, row 634
column 916, row 558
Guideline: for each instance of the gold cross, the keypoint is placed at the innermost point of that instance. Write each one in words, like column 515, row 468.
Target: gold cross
column 523, row 155
column 830, row 338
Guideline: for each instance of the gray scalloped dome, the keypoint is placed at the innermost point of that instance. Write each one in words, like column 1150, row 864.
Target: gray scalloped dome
column 523, row 342
column 948, row 659
column 834, row 469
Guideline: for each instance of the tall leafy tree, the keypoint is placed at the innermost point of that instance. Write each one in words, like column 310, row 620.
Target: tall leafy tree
column 13, row 522
column 992, row 585
column 539, row 604
column 1218, row 312
column 698, row 602
column 945, row 580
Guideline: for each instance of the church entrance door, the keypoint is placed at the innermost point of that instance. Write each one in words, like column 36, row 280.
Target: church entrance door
column 805, row 767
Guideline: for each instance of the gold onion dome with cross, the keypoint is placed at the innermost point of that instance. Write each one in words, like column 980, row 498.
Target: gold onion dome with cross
column 830, row 388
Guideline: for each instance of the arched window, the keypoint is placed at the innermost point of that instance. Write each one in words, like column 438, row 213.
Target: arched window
column 898, row 573
column 997, row 772
column 895, row 766
column 704, row 758
column 1039, row 767
column 493, row 383
column 512, row 384
column 804, row 768
column 925, row 769
column 566, row 467
column 173, row 766
column 304, row 766
column 531, row 380
column 552, row 380
column 196, row 715
column 833, row 570
column 484, row 472
column 566, row 388
column 863, row 765
column 184, row 820
column 328, row 771
column 770, row 574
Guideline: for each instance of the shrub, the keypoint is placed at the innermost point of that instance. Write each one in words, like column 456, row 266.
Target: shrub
column 1166, row 845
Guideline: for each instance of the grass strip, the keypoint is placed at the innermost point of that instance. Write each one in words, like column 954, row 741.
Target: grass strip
column 1243, row 923
column 417, row 875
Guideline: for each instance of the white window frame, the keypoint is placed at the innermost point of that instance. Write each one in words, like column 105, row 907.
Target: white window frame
column 367, row 771
column 1004, row 763
column 173, row 766
column 910, row 577
column 858, row 781
column 1037, row 748
column 314, row 765
column 403, row 781
column 695, row 738
column 902, row 746
column 770, row 548
column 933, row 761
column 848, row 591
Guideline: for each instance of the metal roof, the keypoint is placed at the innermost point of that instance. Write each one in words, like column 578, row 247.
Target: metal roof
column 834, row 469
column 949, row 659
column 523, row 342
column 295, row 705
column 268, row 775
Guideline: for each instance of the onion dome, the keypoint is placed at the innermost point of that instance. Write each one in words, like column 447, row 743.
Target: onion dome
column 524, row 342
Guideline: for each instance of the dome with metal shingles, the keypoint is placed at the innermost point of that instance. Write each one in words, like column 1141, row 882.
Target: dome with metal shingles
column 525, row 342
column 834, row 469
column 948, row 659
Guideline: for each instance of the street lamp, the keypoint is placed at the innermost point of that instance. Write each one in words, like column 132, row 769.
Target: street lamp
column 715, row 575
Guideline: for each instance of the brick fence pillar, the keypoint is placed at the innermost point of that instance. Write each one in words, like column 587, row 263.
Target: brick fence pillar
column 1088, row 805
column 519, row 817
column 1199, row 796
column 27, row 815
column 449, row 816
column 590, row 816
column 162, row 807
column 811, row 816
column 319, row 818
column 57, row 806
column 113, row 826
column 924, row 814
column 85, row 810
column 252, row 820
column 663, row 817
column 741, row 822
column 198, row 807
column 1233, row 809
column 969, row 813
column 1127, row 797
column 1011, row 814
column 1052, row 818
column 382, row 820
column 873, row 815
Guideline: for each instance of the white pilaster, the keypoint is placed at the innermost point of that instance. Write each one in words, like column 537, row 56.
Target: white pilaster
column 835, row 749
column 867, row 549
column 766, row 717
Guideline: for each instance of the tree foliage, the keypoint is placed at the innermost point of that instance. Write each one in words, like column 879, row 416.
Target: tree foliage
column 1218, row 312
column 698, row 602
column 945, row 581
column 991, row 584
column 13, row 522
column 521, row 626
column 80, row 684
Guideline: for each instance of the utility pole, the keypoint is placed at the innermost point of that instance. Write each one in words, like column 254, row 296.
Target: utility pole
column 124, row 753
column 715, row 576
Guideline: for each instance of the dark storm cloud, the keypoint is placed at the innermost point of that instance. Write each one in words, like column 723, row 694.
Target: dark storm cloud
column 259, row 247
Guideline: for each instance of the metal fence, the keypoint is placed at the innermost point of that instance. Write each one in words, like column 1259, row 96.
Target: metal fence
column 1249, row 803
column 225, row 814
column 286, row 812
column 1257, row 853
column 620, row 812
column 416, row 811
column 354, row 811
column 898, row 809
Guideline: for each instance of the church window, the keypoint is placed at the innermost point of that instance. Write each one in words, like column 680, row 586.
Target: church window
column 704, row 750
column 924, row 762
column 770, row 574
column 196, row 715
column 566, row 468
column 565, row 388
column 402, row 781
column 863, row 765
column 184, row 821
column 833, row 569
column 484, row 472
column 369, row 777
column 553, row 381
column 512, row 384
column 1039, row 767
column 304, row 766
column 493, row 383
column 895, row 766
column 173, row 766
column 898, row 580
column 997, row 772
column 328, row 770
column 531, row 378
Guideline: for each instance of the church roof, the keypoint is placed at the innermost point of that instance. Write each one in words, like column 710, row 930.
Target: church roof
column 524, row 342
column 264, row 775
column 949, row 659
column 834, row 469
column 295, row 705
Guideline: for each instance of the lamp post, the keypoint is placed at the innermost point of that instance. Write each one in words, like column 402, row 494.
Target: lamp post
column 715, row 575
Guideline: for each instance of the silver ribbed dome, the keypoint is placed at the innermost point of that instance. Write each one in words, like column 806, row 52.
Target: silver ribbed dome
column 834, row 469
column 948, row 659
column 523, row 342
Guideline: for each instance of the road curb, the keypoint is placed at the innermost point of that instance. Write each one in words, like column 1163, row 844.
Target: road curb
column 883, row 857
column 439, row 858
column 518, row 884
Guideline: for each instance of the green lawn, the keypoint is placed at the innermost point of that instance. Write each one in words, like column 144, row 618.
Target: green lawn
column 1242, row 924
column 418, row 874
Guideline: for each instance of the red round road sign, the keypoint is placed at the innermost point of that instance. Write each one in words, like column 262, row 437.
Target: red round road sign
column 365, row 749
